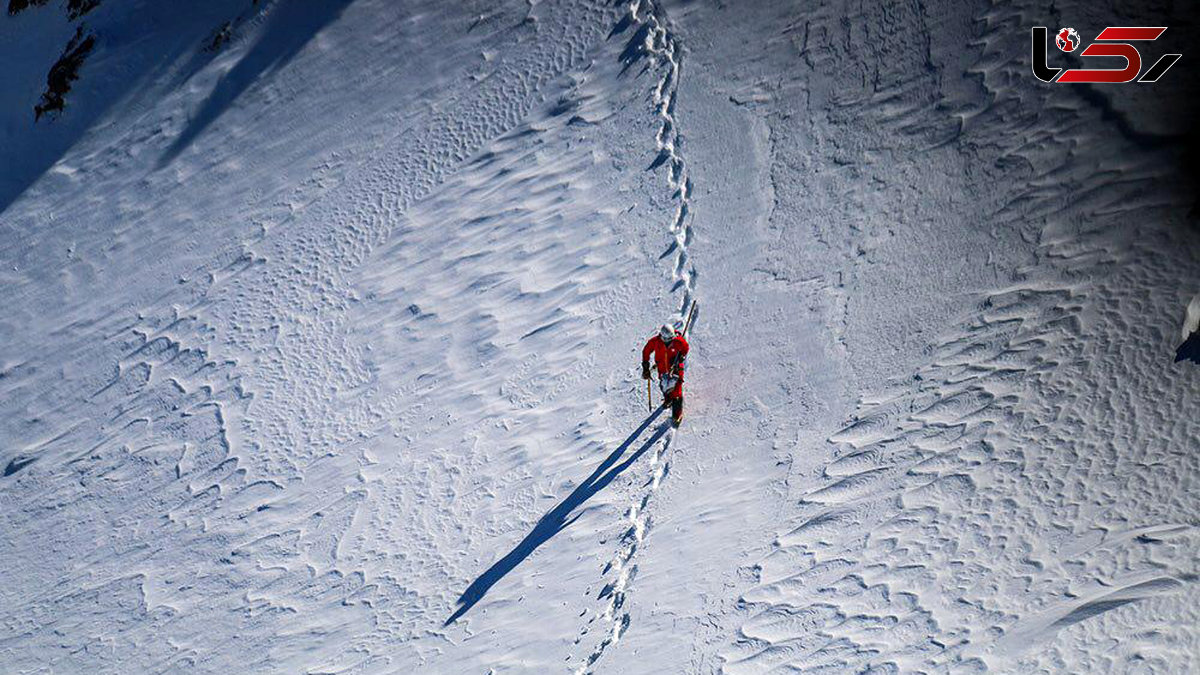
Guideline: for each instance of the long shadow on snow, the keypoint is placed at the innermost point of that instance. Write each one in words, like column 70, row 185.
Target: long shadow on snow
column 290, row 26
column 556, row 520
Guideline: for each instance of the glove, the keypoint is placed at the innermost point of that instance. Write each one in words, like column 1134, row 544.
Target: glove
column 645, row 371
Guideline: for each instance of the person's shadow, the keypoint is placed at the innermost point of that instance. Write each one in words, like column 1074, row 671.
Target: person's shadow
column 559, row 518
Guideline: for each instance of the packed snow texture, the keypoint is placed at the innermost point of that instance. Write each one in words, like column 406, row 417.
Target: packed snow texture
column 322, row 321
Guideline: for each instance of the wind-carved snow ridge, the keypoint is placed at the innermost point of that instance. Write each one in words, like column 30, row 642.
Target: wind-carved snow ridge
column 654, row 40
column 236, row 416
column 964, row 453
column 305, row 268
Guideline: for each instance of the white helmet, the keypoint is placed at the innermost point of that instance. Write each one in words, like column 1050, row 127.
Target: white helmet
column 667, row 333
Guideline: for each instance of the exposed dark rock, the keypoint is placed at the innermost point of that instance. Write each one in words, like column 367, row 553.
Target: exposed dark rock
column 63, row 73
column 1190, row 349
column 77, row 8
column 17, row 6
column 219, row 37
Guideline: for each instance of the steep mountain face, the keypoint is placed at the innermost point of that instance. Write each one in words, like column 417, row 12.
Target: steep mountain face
column 323, row 319
column 987, row 445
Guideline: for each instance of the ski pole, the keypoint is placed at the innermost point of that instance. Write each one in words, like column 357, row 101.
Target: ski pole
column 649, row 403
column 688, row 324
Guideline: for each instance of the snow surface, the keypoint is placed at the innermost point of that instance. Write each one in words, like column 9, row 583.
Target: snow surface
column 319, row 344
column 1191, row 320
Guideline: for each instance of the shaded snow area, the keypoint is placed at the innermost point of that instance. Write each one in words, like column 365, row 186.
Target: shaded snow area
column 321, row 330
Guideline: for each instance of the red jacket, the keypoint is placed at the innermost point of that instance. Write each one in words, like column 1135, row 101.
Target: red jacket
column 668, row 358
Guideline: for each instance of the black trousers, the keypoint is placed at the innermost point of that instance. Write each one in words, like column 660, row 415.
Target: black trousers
column 676, row 407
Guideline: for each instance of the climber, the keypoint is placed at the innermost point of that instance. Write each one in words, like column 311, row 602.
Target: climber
column 669, row 349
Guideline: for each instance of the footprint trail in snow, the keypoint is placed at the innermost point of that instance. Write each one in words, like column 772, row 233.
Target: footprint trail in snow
column 652, row 39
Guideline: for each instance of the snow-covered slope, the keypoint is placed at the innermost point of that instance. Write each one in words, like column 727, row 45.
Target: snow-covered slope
column 322, row 319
